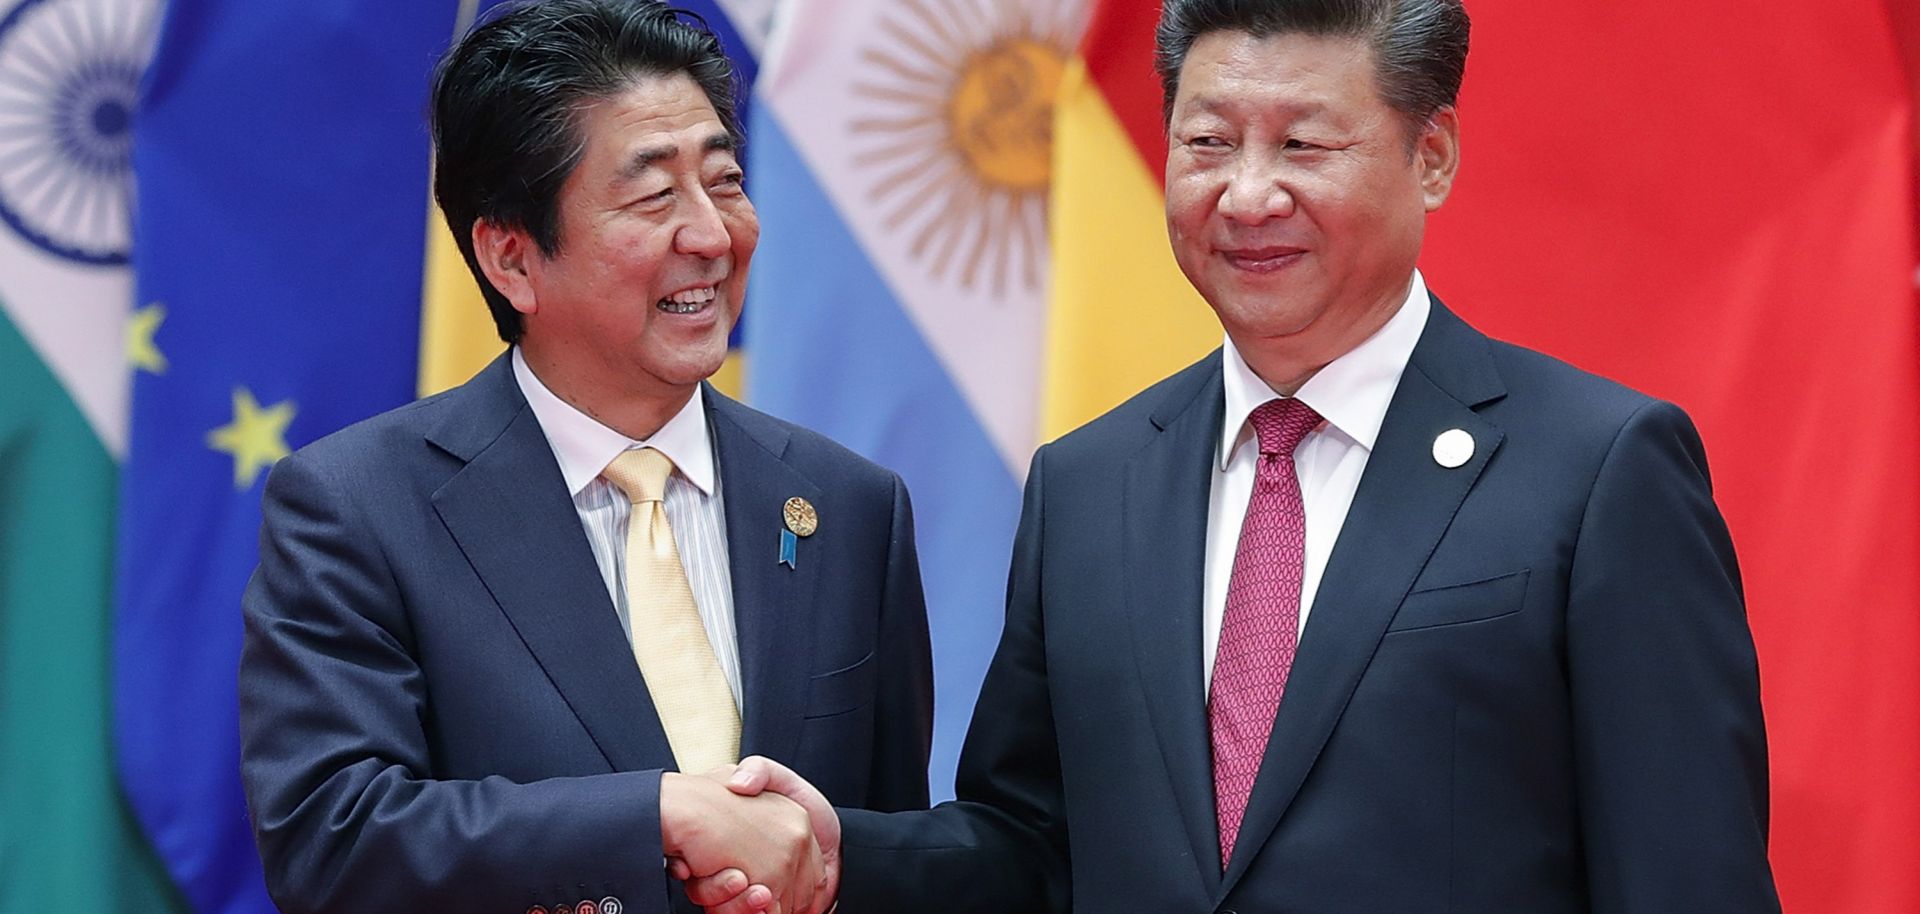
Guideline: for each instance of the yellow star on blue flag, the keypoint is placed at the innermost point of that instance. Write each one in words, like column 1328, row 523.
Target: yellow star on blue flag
column 256, row 437
column 143, row 352
column 247, row 302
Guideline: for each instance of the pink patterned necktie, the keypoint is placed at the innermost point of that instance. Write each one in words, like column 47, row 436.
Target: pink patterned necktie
column 1261, row 627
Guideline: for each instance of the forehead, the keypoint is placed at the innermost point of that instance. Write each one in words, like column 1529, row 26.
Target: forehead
column 653, row 115
column 1232, row 70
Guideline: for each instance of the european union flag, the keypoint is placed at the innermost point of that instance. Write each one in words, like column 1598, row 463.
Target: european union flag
column 282, row 155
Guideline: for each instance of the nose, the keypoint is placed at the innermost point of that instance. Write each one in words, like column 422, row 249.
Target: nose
column 704, row 232
column 1256, row 192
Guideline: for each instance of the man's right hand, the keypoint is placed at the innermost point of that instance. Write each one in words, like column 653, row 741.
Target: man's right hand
column 759, row 778
column 715, row 835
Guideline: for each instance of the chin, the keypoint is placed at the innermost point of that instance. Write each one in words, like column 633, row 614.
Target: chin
column 691, row 372
column 1263, row 319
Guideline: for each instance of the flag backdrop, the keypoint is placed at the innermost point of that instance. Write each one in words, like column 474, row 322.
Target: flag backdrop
column 1906, row 26
column 898, row 303
column 1717, row 209
column 282, row 158
column 963, row 255
column 68, row 76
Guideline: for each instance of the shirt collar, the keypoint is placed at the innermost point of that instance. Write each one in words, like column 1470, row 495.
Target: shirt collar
column 584, row 446
column 1352, row 392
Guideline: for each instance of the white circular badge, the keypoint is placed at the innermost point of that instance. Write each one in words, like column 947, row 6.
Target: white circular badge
column 1453, row 448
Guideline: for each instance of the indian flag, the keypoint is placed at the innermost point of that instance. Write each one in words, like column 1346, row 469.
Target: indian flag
column 69, row 338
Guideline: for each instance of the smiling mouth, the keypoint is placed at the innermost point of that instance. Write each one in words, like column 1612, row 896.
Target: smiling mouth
column 1263, row 260
column 688, row 301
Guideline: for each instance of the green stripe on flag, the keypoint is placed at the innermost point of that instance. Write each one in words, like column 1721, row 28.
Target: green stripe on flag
column 66, row 837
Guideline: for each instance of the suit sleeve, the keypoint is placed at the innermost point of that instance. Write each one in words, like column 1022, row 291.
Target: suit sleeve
column 1000, row 848
column 903, row 737
column 347, row 812
column 1671, row 755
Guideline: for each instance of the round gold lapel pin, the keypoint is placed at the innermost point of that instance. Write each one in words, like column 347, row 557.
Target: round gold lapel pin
column 800, row 516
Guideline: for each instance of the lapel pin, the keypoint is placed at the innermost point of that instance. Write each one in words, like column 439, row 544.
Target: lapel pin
column 801, row 520
column 1453, row 448
column 800, row 516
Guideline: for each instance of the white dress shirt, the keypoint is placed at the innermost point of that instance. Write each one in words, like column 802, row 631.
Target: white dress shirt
column 1352, row 394
column 584, row 447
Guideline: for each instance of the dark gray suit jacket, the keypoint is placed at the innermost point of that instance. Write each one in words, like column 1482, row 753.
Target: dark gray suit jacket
column 440, row 712
column 1526, row 685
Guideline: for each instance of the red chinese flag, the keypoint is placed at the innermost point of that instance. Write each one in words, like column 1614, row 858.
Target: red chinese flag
column 1714, row 202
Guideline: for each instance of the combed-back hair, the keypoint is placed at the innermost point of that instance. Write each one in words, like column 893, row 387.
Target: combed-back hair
column 506, row 100
column 1419, row 46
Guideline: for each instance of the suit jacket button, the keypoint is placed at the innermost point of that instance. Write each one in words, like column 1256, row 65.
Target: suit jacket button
column 563, row 909
column 610, row 905
column 587, row 907
column 536, row 909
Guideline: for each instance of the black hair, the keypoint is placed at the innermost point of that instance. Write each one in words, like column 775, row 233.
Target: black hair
column 1419, row 46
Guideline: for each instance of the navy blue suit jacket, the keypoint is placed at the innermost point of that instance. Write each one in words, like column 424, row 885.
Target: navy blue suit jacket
column 1526, row 685
column 440, row 712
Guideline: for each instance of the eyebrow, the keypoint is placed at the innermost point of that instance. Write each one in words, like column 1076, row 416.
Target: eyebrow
column 653, row 155
column 1215, row 104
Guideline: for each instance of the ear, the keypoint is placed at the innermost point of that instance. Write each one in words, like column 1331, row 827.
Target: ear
column 1437, row 151
column 505, row 255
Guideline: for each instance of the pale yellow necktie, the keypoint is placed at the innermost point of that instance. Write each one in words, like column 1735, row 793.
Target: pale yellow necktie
column 691, row 694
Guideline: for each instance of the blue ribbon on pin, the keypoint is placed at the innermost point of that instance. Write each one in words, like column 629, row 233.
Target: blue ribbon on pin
column 789, row 549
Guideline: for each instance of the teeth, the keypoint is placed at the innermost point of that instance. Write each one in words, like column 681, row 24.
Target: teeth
column 687, row 301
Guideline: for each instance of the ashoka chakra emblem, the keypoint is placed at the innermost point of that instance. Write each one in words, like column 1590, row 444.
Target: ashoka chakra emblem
column 69, row 78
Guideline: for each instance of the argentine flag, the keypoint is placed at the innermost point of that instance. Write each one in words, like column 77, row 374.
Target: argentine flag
column 902, row 159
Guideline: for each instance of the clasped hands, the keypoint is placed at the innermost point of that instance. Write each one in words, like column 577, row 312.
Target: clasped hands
column 751, row 838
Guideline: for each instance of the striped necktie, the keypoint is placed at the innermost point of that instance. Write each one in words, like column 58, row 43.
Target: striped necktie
column 670, row 643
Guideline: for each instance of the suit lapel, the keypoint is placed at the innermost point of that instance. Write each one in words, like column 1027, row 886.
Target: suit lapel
column 1403, row 506
column 771, row 601
column 1164, row 538
column 509, row 512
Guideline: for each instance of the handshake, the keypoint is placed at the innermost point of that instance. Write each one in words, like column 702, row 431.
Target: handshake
column 751, row 838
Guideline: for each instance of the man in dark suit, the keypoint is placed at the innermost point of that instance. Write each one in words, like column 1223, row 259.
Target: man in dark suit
column 1364, row 612
column 491, row 628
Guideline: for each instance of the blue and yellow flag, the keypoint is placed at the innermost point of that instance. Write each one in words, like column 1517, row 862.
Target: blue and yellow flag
column 282, row 156
column 281, row 153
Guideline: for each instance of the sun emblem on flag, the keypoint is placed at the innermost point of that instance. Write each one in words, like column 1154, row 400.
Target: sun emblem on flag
column 959, row 135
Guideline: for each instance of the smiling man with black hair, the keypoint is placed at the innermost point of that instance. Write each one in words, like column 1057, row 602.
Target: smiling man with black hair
column 498, row 637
